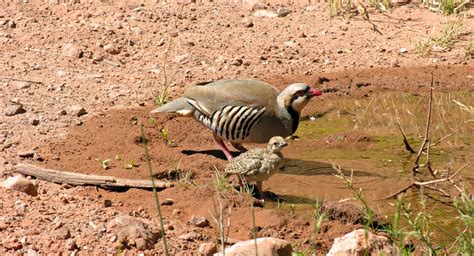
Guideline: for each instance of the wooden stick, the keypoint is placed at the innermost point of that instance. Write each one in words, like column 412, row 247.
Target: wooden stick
column 426, row 138
column 20, row 80
column 80, row 179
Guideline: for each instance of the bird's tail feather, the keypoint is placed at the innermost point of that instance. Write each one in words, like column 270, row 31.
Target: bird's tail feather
column 179, row 105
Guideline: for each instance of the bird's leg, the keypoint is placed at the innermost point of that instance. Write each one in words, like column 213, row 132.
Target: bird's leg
column 239, row 147
column 260, row 189
column 224, row 149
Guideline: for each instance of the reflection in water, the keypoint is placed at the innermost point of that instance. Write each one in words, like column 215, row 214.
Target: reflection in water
column 311, row 168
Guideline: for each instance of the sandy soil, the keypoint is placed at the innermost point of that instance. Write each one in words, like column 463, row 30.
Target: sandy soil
column 112, row 59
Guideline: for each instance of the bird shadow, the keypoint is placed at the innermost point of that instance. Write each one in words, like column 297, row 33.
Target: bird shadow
column 212, row 152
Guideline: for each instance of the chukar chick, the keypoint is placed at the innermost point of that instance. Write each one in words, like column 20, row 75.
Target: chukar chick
column 257, row 165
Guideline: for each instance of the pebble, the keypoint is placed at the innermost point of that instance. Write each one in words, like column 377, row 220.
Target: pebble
column 403, row 50
column 199, row 221
column 110, row 48
column 26, row 154
column 207, row 249
column 11, row 24
column 246, row 22
column 63, row 233
column 13, row 109
column 265, row 13
column 167, row 201
column 34, row 121
column 71, row 245
column 72, row 50
column 23, row 85
column 283, row 12
column 20, row 183
column 62, row 112
column 76, row 110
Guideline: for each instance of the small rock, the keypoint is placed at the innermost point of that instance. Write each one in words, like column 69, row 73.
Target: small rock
column 76, row 110
column 246, row 22
column 23, row 85
column 63, row 233
column 167, row 201
column 236, row 62
column 31, row 252
column 354, row 243
column 71, row 245
column 191, row 236
column 20, row 183
column 265, row 246
column 14, row 109
column 291, row 44
column 135, row 231
column 403, row 50
column 107, row 203
column 173, row 34
column 78, row 122
column 113, row 238
column 394, row 64
column 62, row 112
column 110, row 48
column 26, row 154
column 265, row 13
column 34, row 121
column 207, row 249
column 72, row 50
column 283, row 12
column 12, row 244
column 11, row 24
column 199, row 221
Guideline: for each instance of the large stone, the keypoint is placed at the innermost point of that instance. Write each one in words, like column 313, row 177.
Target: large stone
column 355, row 243
column 267, row 246
column 20, row 183
column 137, row 232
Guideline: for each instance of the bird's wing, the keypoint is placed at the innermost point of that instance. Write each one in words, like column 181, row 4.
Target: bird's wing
column 247, row 163
column 213, row 96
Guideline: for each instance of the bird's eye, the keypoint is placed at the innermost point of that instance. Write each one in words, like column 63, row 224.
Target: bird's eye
column 275, row 144
column 299, row 93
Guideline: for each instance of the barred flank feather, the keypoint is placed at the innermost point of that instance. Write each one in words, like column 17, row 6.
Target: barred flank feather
column 232, row 122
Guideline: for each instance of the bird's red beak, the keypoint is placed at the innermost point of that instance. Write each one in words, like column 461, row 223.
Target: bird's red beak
column 314, row 92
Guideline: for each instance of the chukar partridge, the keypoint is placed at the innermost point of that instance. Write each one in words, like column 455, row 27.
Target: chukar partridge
column 243, row 111
column 257, row 165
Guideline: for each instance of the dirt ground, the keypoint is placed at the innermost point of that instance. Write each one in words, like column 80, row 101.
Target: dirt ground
column 113, row 59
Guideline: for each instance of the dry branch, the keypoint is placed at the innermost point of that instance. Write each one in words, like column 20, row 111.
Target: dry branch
column 416, row 164
column 73, row 178
column 428, row 184
column 20, row 80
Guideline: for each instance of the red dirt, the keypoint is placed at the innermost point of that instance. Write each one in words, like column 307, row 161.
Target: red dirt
column 209, row 37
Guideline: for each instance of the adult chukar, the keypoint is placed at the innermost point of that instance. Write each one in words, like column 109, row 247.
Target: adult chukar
column 243, row 111
column 258, row 164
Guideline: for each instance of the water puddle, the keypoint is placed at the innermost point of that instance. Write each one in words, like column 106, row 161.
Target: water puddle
column 362, row 136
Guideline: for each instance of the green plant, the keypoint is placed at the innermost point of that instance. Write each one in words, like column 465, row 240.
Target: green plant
column 469, row 49
column 341, row 8
column 449, row 34
column 468, row 109
column 254, row 229
column 130, row 164
column 220, row 180
column 166, row 82
column 464, row 205
column 423, row 46
column 318, row 217
column 155, row 194
column 105, row 163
